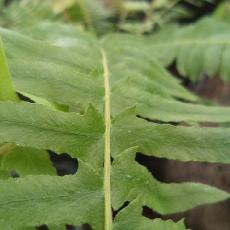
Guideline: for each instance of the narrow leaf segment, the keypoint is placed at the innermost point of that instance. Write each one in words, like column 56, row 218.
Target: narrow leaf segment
column 7, row 91
column 107, row 151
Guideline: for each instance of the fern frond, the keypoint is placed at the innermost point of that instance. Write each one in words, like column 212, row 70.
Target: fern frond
column 150, row 86
column 201, row 48
column 61, row 194
column 102, row 82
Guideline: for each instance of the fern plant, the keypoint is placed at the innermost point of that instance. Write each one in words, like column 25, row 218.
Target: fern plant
column 198, row 48
column 144, row 16
column 87, row 14
column 94, row 99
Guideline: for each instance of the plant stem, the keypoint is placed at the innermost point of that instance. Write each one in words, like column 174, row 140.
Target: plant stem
column 107, row 157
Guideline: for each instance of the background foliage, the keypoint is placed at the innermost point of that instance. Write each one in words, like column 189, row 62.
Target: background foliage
column 58, row 70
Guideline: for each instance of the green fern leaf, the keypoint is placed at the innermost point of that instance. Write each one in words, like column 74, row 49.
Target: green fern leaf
column 125, row 221
column 150, row 86
column 27, row 161
column 88, row 76
column 201, row 48
column 7, row 91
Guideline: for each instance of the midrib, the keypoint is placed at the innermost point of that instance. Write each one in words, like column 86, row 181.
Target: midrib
column 107, row 157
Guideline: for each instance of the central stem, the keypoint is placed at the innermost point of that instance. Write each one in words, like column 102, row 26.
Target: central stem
column 107, row 157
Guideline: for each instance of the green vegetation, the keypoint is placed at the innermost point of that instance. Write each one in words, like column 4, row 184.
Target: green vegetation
column 102, row 97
